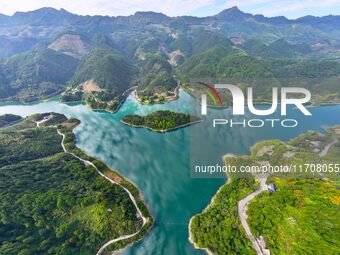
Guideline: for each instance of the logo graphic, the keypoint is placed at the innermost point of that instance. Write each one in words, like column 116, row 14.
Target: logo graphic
column 210, row 90
column 239, row 99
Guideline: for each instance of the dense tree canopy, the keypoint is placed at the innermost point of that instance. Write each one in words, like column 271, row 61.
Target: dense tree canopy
column 160, row 120
column 50, row 202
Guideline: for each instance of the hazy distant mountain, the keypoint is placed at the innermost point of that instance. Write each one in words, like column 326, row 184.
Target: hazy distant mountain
column 242, row 23
column 156, row 49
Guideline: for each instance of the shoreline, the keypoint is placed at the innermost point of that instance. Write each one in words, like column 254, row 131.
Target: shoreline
column 133, row 199
column 206, row 250
column 166, row 100
column 243, row 203
column 206, row 208
column 129, row 90
column 35, row 101
column 147, row 218
column 56, row 94
column 161, row 130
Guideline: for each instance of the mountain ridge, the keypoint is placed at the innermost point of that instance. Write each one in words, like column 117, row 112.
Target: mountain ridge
column 155, row 50
column 232, row 10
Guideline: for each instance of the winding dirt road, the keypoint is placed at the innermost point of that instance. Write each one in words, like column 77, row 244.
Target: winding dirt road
column 89, row 163
column 242, row 212
column 242, row 204
column 86, row 162
column 327, row 147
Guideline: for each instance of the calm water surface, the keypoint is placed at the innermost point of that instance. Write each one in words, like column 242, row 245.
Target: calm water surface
column 160, row 163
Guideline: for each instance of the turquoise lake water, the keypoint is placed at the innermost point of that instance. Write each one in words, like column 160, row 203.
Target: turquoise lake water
column 160, row 163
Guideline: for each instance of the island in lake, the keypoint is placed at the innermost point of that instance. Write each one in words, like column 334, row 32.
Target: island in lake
column 54, row 199
column 161, row 121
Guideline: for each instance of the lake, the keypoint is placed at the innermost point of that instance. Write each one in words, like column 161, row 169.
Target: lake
column 160, row 163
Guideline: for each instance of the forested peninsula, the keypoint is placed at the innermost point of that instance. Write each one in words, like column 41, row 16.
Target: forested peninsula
column 54, row 199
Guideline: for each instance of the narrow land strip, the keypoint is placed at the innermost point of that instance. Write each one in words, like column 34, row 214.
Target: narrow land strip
column 88, row 163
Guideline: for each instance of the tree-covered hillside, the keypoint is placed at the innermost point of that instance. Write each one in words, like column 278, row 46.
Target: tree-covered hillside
column 9, row 119
column 299, row 217
column 103, row 75
column 51, row 203
column 156, row 76
column 218, row 228
column 307, row 208
column 157, row 52
column 34, row 75
column 225, row 64
column 107, row 69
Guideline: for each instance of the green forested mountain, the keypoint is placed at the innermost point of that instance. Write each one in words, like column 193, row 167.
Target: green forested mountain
column 198, row 40
column 218, row 228
column 107, row 69
column 155, row 71
column 17, row 46
column 156, row 75
column 284, row 49
column 50, row 202
column 227, row 65
column 286, row 216
column 107, row 74
column 205, row 64
column 34, row 75
column 262, row 67
column 155, row 52
column 277, row 49
column 302, row 205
